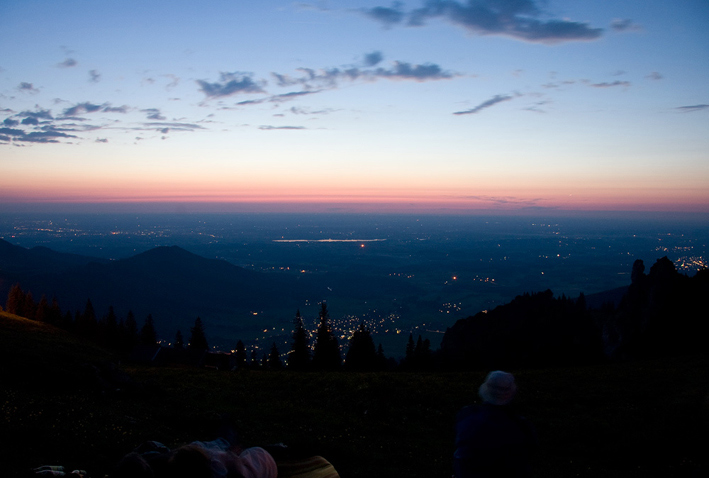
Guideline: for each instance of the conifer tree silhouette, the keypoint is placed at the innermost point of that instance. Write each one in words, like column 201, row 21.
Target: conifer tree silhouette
column 42, row 311
column 274, row 358
column 108, row 329
column 130, row 332
column 179, row 341
column 86, row 323
column 198, row 340
column 15, row 300
column 148, row 334
column 240, row 355
column 361, row 355
column 299, row 355
column 326, row 355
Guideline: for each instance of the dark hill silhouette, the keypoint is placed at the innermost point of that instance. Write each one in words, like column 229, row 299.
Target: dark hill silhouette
column 534, row 330
column 173, row 284
column 664, row 313
column 659, row 315
column 176, row 286
column 600, row 299
column 16, row 260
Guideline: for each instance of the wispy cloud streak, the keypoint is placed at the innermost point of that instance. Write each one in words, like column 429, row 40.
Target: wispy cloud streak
column 485, row 104
column 691, row 108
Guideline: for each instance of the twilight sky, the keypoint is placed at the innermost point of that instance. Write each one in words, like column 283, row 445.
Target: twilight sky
column 439, row 105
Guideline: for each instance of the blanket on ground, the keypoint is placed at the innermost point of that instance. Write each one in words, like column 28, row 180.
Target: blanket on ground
column 312, row 467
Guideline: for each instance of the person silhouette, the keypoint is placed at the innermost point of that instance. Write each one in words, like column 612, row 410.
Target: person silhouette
column 492, row 440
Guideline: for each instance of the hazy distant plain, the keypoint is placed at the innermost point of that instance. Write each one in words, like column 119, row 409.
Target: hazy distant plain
column 456, row 265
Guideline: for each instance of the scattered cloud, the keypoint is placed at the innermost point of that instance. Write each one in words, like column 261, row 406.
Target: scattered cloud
column 27, row 87
column 537, row 107
column 610, row 84
column 330, row 78
column 83, row 108
column 41, row 126
column 278, row 98
column 68, row 63
column 174, row 126
column 154, row 114
column 116, row 109
column 230, row 84
column 175, row 80
column 518, row 19
column 94, row 76
column 268, row 127
column 625, row 25
column 38, row 115
column 654, row 76
column 33, row 137
column 86, row 107
column 373, row 59
column 692, row 108
column 320, row 6
column 485, row 104
column 407, row 71
column 388, row 16
column 306, row 111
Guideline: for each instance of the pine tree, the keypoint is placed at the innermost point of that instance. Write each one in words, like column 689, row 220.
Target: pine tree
column 76, row 323
column 361, row 355
column 15, row 300
column 148, row 334
column 299, row 355
column 109, row 329
column 129, row 337
column 42, row 312
column 179, row 341
column 29, row 309
column 423, row 353
column 326, row 355
column 410, row 350
column 198, row 340
column 274, row 358
column 381, row 358
column 67, row 322
column 55, row 313
column 86, row 323
column 240, row 355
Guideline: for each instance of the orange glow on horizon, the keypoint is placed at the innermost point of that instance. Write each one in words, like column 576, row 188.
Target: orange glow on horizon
column 363, row 200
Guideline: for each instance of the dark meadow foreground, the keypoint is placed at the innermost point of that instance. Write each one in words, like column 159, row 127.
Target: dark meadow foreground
column 65, row 402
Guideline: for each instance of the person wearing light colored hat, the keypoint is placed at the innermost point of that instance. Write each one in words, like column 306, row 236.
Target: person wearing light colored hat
column 491, row 439
column 499, row 388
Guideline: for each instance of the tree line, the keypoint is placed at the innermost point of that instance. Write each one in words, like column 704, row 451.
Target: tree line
column 121, row 335
column 308, row 352
column 662, row 313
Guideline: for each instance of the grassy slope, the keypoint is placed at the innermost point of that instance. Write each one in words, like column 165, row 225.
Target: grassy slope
column 640, row 419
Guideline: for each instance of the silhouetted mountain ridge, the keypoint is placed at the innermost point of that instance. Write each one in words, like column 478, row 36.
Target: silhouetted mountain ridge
column 172, row 283
column 22, row 261
column 660, row 314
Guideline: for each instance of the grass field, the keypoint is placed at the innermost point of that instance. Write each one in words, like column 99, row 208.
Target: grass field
column 58, row 406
